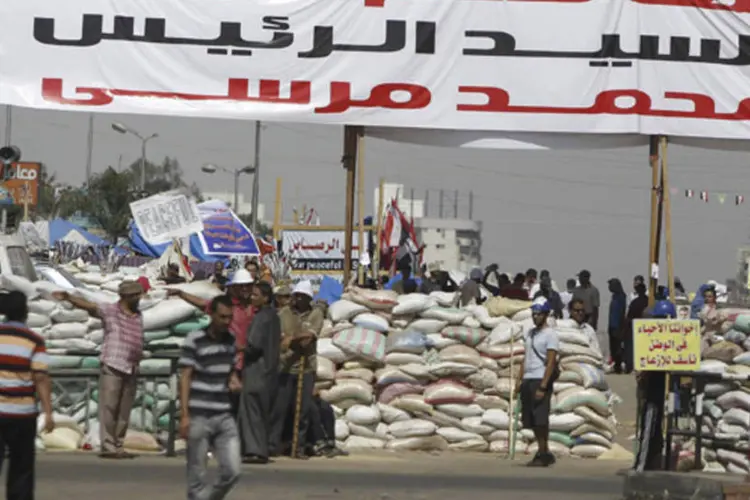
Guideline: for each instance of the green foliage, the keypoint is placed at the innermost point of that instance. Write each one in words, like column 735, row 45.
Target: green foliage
column 263, row 229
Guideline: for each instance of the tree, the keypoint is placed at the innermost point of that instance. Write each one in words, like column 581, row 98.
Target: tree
column 164, row 177
column 55, row 198
column 107, row 201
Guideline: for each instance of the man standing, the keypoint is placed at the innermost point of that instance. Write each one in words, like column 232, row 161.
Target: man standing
column 539, row 367
column 259, row 376
column 300, row 327
column 546, row 291
column 567, row 296
column 578, row 314
column 282, row 296
column 589, row 294
column 206, row 380
column 122, row 350
column 618, row 305
column 530, row 281
column 23, row 379
column 470, row 291
column 636, row 310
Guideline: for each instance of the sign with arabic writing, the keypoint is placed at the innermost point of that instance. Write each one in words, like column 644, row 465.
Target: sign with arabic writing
column 224, row 233
column 163, row 217
column 674, row 67
column 19, row 183
column 666, row 345
column 320, row 252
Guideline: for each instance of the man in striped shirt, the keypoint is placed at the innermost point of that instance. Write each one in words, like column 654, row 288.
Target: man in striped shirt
column 23, row 376
column 207, row 379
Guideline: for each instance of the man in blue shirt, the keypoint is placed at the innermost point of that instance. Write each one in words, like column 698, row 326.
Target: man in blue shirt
column 539, row 369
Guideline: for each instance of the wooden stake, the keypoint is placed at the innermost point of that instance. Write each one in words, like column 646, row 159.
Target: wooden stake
column 298, row 407
column 654, row 240
column 277, row 211
column 349, row 161
column 667, row 219
column 361, row 208
column 378, row 225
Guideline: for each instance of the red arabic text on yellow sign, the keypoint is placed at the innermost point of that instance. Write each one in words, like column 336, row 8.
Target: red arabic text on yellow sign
column 666, row 345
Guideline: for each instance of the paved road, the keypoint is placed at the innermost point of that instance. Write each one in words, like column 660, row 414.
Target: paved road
column 363, row 477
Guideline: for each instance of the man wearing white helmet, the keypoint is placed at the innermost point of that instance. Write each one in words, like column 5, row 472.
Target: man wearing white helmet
column 300, row 326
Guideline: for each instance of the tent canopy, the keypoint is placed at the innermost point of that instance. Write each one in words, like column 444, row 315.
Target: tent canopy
column 66, row 231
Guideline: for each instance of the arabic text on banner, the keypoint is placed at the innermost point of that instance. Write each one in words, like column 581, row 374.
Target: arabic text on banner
column 673, row 67
column 319, row 251
column 164, row 217
column 666, row 345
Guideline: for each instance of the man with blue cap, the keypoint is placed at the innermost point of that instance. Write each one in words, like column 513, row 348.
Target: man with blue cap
column 651, row 388
column 539, row 370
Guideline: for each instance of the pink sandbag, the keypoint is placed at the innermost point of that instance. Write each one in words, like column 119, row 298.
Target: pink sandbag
column 446, row 392
column 395, row 390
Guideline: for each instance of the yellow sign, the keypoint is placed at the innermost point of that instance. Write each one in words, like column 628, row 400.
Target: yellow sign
column 666, row 345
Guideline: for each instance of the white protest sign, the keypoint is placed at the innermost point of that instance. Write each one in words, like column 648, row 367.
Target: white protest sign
column 166, row 216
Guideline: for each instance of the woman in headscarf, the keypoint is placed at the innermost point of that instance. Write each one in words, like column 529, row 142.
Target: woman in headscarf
column 617, row 311
column 710, row 318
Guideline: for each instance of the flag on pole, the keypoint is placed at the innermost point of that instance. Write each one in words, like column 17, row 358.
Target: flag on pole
column 689, row 193
column 739, row 199
column 704, row 196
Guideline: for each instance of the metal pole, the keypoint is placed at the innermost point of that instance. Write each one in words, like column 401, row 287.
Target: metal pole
column 256, row 178
column 237, row 173
column 89, row 149
column 471, row 205
column 8, row 124
column 455, row 205
column 143, row 165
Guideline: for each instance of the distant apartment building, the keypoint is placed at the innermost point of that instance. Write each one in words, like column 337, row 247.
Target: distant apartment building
column 452, row 241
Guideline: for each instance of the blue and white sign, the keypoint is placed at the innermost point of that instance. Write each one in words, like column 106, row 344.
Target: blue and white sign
column 223, row 232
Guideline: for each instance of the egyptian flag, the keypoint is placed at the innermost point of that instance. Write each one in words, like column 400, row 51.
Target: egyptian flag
column 704, row 196
column 739, row 199
column 398, row 234
column 689, row 193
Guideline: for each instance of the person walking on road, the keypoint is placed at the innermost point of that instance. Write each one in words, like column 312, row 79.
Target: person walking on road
column 259, row 376
column 207, row 378
column 23, row 377
column 539, row 367
column 122, row 351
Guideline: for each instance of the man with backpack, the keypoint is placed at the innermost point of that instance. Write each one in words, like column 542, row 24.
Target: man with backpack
column 539, row 371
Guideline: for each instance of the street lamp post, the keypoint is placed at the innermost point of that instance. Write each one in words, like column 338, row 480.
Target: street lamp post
column 210, row 168
column 123, row 129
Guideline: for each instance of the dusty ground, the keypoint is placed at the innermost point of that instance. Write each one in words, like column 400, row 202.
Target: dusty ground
column 380, row 476
column 624, row 386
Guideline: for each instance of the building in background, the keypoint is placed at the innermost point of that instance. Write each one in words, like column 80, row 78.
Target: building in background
column 244, row 206
column 443, row 225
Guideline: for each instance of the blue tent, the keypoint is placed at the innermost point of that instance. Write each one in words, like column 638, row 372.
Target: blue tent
column 63, row 230
column 141, row 246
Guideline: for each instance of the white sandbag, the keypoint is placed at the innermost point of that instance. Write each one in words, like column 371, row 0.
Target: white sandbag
column 62, row 438
column 344, row 310
column 572, row 398
column 390, row 414
column 587, row 450
column 94, row 278
column 714, row 390
column 448, row 392
column 525, row 314
column 362, row 443
column 439, row 342
column 412, row 428
column 483, row 316
column 111, row 286
column 15, row 283
column 593, row 438
column 363, row 415
column 96, row 336
column 340, row 392
column 445, row 299
column 450, row 315
column 427, row 326
column 427, row 443
column 483, row 379
column 502, row 351
column 475, row 425
column 66, row 331
column 565, row 422
column 499, row 419
column 593, row 418
column 365, row 431
column 456, row 435
column 375, row 300
column 591, row 376
column 37, row 321
column 355, row 382
column 326, row 369
column 202, row 289
column 448, row 369
column 737, row 416
column 716, row 366
column 363, row 374
column 341, row 430
column 41, row 306
column 461, row 354
column 71, row 344
column 393, row 375
column 409, row 341
column 418, row 371
column 412, row 303
column 587, row 427
column 402, row 358
column 326, row 349
column 475, row 444
column 167, row 313
column 93, row 323
column 412, row 403
column 461, row 411
column 70, row 316
column 504, row 332
column 489, row 401
column 371, row 321
column 734, row 399
column 471, row 322
column 362, row 343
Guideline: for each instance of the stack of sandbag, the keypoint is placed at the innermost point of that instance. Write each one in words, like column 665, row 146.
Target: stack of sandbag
column 412, row 372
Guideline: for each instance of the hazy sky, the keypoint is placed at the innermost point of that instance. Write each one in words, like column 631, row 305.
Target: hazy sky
column 564, row 210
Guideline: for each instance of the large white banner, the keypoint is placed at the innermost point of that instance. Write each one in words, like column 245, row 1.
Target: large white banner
column 167, row 216
column 314, row 251
column 675, row 67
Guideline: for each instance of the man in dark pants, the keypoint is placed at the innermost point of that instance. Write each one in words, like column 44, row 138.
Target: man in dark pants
column 300, row 327
column 651, row 388
column 538, row 368
column 321, row 434
column 259, row 376
column 24, row 364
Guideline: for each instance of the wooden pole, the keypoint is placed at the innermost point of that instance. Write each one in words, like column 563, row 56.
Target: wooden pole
column 378, row 227
column 349, row 161
column 277, row 210
column 361, row 207
column 667, row 218
column 298, row 407
column 654, row 240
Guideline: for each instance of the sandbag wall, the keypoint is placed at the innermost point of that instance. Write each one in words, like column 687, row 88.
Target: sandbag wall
column 67, row 330
column 412, row 372
column 726, row 407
